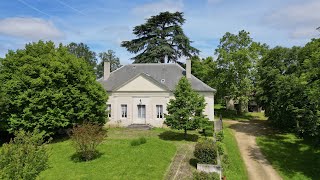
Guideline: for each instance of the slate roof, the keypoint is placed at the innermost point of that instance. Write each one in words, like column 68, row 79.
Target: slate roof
column 166, row 74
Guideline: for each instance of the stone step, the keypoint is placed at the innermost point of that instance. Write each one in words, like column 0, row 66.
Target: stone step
column 140, row 126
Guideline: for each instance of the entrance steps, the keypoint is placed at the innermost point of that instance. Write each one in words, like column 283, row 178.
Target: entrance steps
column 140, row 126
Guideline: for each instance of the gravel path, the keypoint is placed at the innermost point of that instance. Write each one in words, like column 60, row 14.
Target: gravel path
column 258, row 167
column 181, row 167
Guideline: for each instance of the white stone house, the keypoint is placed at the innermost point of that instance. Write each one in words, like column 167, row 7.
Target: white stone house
column 139, row 93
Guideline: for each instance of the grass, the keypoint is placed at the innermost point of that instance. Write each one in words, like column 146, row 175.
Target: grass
column 236, row 168
column 292, row 157
column 118, row 159
column 233, row 115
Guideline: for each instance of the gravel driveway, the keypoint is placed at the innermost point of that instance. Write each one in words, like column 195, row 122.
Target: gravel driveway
column 257, row 166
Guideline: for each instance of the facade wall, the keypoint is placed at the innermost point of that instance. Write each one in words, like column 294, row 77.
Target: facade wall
column 150, row 100
column 132, row 100
column 142, row 91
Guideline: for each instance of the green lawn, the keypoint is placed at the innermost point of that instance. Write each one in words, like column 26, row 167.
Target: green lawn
column 233, row 115
column 293, row 158
column 236, row 169
column 118, row 160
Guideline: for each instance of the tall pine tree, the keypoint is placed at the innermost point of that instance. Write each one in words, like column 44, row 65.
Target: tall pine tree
column 161, row 39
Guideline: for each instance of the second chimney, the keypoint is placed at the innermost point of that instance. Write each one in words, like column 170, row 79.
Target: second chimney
column 188, row 68
column 106, row 70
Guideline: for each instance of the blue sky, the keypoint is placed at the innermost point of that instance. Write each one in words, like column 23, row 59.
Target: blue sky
column 103, row 24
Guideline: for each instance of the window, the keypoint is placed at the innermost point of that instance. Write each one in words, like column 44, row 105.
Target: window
column 159, row 111
column 124, row 110
column 141, row 111
column 109, row 110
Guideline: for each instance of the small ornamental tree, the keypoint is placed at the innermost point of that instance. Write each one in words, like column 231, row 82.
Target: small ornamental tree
column 85, row 138
column 185, row 111
column 45, row 86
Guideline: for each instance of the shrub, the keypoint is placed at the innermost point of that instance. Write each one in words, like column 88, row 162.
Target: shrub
column 220, row 148
column 206, row 152
column 137, row 142
column 205, row 176
column 208, row 131
column 24, row 157
column 85, row 138
column 220, row 136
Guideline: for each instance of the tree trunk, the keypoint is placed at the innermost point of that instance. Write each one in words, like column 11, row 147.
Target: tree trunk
column 243, row 106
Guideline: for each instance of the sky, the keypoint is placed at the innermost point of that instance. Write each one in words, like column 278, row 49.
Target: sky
column 104, row 24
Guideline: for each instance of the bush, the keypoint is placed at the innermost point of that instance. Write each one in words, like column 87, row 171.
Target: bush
column 219, row 136
column 205, row 176
column 208, row 131
column 85, row 138
column 206, row 152
column 24, row 157
column 220, row 148
column 137, row 142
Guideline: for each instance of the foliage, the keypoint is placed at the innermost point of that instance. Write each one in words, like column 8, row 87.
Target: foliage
column 139, row 141
column 205, row 69
column 298, row 158
column 24, row 157
column 118, row 160
column 205, row 176
column 185, row 111
column 47, row 87
column 108, row 56
column 237, row 58
column 219, row 136
column 160, row 39
column 220, row 148
column 208, row 130
column 85, row 139
column 289, row 83
column 83, row 51
column 206, row 152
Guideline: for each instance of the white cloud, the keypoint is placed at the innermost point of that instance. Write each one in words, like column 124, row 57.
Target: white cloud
column 301, row 19
column 155, row 7
column 29, row 28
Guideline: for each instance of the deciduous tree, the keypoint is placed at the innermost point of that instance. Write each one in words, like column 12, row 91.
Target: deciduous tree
column 47, row 87
column 82, row 50
column 108, row 56
column 237, row 57
column 185, row 111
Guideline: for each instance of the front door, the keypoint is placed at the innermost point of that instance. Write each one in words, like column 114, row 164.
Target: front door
column 141, row 119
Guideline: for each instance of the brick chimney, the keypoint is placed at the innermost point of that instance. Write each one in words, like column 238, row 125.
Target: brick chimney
column 106, row 70
column 188, row 68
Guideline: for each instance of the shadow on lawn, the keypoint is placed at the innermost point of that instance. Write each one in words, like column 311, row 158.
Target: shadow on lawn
column 291, row 156
column 178, row 136
column 77, row 158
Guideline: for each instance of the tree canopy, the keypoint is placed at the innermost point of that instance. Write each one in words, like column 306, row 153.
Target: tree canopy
column 48, row 88
column 289, row 83
column 82, row 50
column 237, row 58
column 185, row 111
column 109, row 56
column 161, row 39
